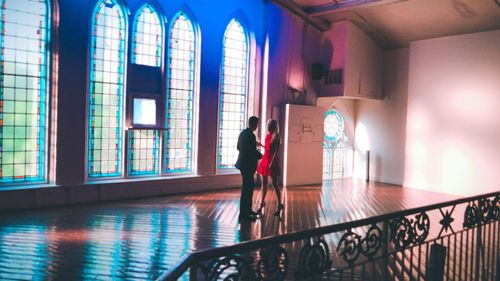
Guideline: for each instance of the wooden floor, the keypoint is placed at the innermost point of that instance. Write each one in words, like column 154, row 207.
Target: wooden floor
column 140, row 239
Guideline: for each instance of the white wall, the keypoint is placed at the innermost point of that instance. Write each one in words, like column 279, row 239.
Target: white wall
column 453, row 124
column 381, row 124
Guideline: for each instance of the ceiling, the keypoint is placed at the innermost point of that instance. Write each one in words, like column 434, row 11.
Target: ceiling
column 395, row 23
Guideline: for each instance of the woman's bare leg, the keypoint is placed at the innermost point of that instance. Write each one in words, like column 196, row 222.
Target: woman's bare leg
column 280, row 207
column 263, row 191
column 276, row 188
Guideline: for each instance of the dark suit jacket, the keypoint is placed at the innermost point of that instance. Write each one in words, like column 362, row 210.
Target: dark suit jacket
column 248, row 153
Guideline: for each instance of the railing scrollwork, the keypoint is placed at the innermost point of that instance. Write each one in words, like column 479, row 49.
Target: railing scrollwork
column 373, row 241
column 485, row 211
column 235, row 267
column 273, row 264
column 350, row 246
column 471, row 215
column 314, row 258
column 406, row 232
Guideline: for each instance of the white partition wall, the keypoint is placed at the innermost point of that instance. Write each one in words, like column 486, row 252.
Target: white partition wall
column 302, row 145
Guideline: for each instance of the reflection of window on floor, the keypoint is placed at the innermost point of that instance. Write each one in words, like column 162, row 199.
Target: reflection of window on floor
column 26, row 247
column 335, row 147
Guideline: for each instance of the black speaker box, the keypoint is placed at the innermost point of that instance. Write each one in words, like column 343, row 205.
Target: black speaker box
column 317, row 71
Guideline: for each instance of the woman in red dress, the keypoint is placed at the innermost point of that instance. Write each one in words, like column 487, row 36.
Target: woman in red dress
column 269, row 165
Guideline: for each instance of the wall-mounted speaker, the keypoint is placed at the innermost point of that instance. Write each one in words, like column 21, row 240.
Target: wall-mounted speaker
column 317, row 71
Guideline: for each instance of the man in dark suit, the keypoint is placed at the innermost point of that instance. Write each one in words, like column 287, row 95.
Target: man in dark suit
column 247, row 164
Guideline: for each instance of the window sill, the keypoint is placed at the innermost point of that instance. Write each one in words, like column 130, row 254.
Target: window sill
column 140, row 179
column 233, row 171
column 24, row 186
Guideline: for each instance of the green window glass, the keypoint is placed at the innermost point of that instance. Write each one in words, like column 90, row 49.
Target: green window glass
column 233, row 95
column 107, row 64
column 24, row 99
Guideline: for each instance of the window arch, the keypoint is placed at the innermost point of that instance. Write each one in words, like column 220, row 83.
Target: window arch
column 233, row 94
column 180, row 96
column 334, row 146
column 148, row 37
column 106, row 89
column 334, row 126
column 24, row 99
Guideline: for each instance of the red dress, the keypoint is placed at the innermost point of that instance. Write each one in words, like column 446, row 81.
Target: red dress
column 270, row 149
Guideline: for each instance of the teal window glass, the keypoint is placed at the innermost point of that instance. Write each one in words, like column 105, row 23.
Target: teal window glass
column 233, row 95
column 327, row 163
column 107, row 63
column 180, row 93
column 143, row 152
column 334, row 126
column 24, row 75
column 339, row 158
column 147, row 43
column 334, row 146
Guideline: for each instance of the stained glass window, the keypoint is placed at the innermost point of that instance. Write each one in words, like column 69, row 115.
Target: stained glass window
column 334, row 146
column 180, row 91
column 339, row 158
column 334, row 125
column 143, row 152
column 24, row 39
column 147, row 37
column 107, row 58
column 233, row 95
column 327, row 163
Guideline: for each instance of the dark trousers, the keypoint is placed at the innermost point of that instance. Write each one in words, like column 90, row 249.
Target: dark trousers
column 247, row 192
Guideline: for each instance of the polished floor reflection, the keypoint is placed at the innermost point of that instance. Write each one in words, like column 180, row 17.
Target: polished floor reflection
column 141, row 239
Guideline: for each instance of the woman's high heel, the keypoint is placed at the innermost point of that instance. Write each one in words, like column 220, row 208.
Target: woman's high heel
column 260, row 210
column 279, row 210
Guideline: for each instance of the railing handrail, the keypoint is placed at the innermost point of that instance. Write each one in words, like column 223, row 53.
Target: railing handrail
column 202, row 255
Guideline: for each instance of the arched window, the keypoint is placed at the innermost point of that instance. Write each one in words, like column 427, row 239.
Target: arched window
column 24, row 99
column 147, row 43
column 107, row 63
column 233, row 95
column 334, row 126
column 334, row 148
column 180, row 95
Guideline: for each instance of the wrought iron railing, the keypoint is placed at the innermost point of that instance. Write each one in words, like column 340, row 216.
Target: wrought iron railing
column 425, row 243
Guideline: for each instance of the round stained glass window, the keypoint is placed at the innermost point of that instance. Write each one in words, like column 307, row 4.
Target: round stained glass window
column 334, row 125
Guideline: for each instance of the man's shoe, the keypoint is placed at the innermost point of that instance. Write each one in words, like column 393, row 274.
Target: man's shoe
column 253, row 216
column 248, row 218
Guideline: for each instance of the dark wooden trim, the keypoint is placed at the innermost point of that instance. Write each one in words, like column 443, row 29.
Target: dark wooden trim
column 294, row 8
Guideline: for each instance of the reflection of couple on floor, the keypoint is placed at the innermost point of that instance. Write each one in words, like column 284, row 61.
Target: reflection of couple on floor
column 247, row 164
